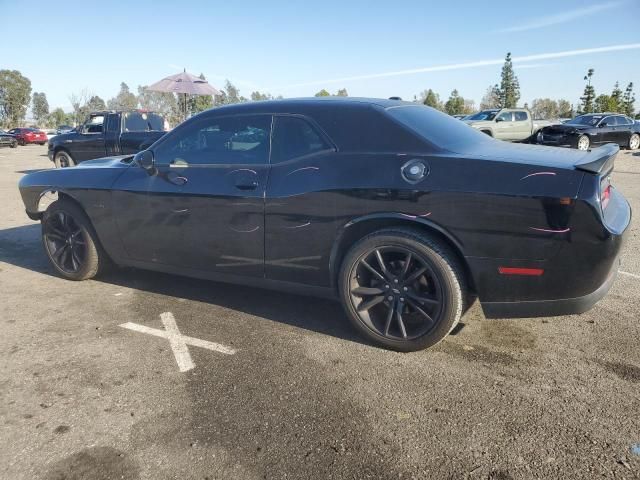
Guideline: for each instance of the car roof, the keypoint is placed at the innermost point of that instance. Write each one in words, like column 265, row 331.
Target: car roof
column 307, row 102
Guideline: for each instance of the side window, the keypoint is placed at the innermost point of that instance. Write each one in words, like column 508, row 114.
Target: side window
column 620, row 120
column 94, row 125
column 295, row 137
column 520, row 116
column 504, row 117
column 607, row 122
column 143, row 122
column 243, row 139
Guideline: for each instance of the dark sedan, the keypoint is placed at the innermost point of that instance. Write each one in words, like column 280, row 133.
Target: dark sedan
column 8, row 140
column 403, row 213
column 592, row 129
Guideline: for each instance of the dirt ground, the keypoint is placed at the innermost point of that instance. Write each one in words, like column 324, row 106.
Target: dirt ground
column 303, row 396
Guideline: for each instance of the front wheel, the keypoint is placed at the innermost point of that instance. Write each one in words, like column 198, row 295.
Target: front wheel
column 70, row 242
column 634, row 141
column 63, row 160
column 14, row 144
column 583, row 142
column 402, row 289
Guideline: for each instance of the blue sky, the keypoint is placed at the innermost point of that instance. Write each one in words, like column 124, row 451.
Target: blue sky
column 372, row 48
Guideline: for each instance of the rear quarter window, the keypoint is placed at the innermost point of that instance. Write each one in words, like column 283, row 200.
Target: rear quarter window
column 438, row 128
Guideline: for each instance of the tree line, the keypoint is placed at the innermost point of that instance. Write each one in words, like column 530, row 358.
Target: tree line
column 506, row 94
column 16, row 97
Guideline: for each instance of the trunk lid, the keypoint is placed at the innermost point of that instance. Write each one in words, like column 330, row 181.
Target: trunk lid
column 597, row 160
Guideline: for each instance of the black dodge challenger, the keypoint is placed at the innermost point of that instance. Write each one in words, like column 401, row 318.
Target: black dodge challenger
column 591, row 130
column 403, row 213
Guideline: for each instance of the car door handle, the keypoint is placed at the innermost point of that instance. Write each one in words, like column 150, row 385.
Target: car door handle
column 247, row 185
column 176, row 179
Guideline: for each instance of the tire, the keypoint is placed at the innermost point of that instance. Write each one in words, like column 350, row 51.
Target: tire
column 583, row 143
column 14, row 144
column 634, row 142
column 63, row 159
column 430, row 306
column 71, row 243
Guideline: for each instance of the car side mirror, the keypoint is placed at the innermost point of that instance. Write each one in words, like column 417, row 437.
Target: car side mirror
column 602, row 125
column 146, row 160
column 499, row 119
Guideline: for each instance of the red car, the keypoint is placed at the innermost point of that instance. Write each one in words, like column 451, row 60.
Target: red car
column 29, row 135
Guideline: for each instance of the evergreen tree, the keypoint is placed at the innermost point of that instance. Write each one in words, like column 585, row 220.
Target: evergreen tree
column 432, row 99
column 605, row 103
column 588, row 96
column 509, row 90
column 342, row 93
column 628, row 99
column 616, row 99
column 455, row 104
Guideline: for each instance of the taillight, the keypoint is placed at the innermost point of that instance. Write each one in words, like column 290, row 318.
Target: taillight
column 605, row 191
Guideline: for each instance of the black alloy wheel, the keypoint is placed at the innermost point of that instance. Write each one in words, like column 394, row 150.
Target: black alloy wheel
column 396, row 293
column 402, row 289
column 65, row 241
column 71, row 242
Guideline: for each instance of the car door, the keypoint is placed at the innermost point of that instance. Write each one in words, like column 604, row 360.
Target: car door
column 522, row 124
column 203, row 207
column 299, row 213
column 622, row 130
column 607, row 131
column 89, row 142
column 503, row 129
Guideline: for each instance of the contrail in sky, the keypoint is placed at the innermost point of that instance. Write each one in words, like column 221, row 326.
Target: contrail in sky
column 559, row 18
column 479, row 63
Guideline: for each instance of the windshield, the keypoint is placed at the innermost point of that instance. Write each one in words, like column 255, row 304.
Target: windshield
column 591, row 120
column 438, row 128
column 483, row 115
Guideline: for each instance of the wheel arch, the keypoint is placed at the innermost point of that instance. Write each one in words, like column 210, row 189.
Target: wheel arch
column 358, row 228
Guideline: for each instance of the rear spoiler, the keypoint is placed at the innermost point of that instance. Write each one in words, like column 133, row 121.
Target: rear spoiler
column 599, row 160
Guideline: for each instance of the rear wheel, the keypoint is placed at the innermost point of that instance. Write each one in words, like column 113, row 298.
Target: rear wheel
column 70, row 242
column 583, row 142
column 63, row 159
column 402, row 289
column 634, row 141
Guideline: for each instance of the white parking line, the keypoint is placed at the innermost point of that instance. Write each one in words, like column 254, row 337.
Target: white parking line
column 633, row 275
column 178, row 341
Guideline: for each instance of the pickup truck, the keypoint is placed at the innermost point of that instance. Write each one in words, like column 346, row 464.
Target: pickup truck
column 511, row 124
column 106, row 133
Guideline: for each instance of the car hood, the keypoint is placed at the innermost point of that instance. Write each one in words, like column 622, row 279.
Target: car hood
column 479, row 123
column 565, row 128
column 99, row 173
